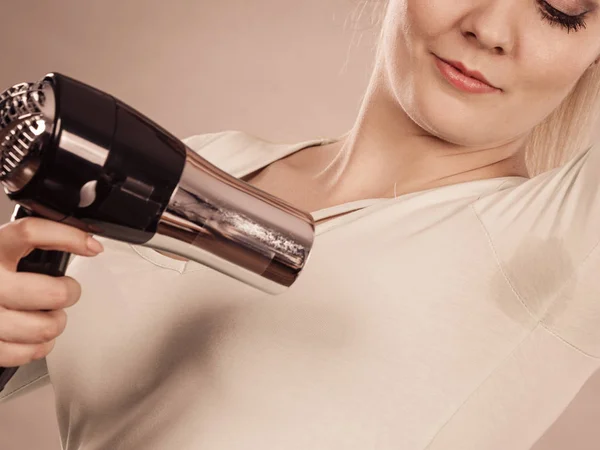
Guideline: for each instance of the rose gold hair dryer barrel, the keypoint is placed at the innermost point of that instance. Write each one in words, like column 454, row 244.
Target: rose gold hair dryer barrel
column 76, row 155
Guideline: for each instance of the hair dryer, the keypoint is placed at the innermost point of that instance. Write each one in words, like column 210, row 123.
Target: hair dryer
column 74, row 154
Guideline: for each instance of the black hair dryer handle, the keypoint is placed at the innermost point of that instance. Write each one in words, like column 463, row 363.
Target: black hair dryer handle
column 49, row 262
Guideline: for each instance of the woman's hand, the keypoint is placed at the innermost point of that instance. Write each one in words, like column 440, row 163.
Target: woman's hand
column 32, row 305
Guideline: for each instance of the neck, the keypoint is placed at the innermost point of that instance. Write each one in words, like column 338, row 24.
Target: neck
column 386, row 148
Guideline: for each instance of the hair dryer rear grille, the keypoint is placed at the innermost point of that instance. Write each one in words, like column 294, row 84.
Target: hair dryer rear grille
column 21, row 125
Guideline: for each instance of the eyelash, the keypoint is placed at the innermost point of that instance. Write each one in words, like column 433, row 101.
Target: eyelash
column 559, row 18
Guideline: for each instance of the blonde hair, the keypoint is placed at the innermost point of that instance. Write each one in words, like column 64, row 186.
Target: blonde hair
column 564, row 133
column 569, row 129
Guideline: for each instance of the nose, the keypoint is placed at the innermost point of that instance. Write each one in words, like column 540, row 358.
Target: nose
column 491, row 25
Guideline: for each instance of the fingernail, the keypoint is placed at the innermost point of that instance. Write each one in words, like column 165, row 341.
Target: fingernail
column 94, row 246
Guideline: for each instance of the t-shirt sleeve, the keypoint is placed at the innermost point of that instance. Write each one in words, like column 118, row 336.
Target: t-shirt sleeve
column 545, row 233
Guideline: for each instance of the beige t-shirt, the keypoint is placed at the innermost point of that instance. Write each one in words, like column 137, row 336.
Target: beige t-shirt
column 460, row 317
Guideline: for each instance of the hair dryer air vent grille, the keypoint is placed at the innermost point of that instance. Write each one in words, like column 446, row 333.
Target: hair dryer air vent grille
column 21, row 125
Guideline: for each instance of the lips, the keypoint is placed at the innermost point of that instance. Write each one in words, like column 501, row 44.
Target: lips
column 470, row 73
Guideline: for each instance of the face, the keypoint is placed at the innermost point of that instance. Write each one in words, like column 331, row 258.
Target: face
column 531, row 52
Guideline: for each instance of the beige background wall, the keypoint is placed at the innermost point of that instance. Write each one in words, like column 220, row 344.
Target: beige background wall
column 282, row 69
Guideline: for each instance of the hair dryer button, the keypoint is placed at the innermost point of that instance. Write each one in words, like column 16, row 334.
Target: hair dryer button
column 87, row 194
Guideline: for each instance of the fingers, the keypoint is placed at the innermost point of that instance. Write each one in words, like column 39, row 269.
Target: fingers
column 14, row 354
column 32, row 305
column 31, row 327
column 32, row 291
column 20, row 237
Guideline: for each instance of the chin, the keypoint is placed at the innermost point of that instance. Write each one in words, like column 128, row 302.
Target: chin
column 459, row 120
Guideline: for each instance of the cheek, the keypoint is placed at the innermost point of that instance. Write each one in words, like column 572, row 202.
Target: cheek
column 409, row 22
column 412, row 28
column 547, row 75
column 547, row 64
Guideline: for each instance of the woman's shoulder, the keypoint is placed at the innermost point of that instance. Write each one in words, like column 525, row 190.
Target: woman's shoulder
column 240, row 152
column 228, row 141
column 198, row 142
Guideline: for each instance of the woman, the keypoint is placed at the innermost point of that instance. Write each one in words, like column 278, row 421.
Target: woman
column 451, row 300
